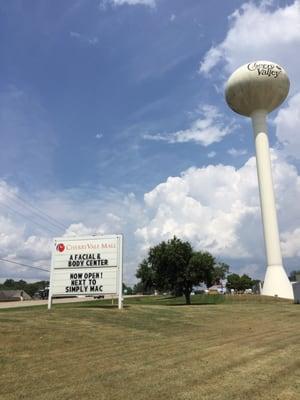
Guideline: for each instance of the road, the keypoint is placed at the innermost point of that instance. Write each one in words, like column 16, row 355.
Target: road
column 28, row 303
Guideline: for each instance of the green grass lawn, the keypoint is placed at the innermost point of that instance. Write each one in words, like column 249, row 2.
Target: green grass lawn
column 240, row 347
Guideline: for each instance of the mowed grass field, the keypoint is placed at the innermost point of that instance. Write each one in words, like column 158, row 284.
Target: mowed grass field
column 155, row 348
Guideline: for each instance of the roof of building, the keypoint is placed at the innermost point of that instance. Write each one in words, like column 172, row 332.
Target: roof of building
column 13, row 294
column 216, row 287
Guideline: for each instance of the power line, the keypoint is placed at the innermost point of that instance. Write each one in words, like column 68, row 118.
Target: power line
column 24, row 265
column 49, row 229
column 41, row 214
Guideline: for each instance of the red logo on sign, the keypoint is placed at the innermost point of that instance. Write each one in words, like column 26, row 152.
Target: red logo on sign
column 60, row 247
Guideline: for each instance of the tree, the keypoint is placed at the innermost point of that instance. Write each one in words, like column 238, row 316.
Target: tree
column 246, row 282
column 201, row 268
column 292, row 276
column 239, row 283
column 145, row 274
column 174, row 266
column 169, row 262
column 127, row 289
column 220, row 271
column 138, row 288
column 10, row 283
column 233, row 282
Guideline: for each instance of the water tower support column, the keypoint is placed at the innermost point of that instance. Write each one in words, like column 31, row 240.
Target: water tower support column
column 276, row 281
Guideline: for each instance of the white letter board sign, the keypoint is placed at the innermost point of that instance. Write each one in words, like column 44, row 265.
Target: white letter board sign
column 87, row 266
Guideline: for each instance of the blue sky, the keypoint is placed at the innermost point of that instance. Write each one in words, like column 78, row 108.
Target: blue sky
column 113, row 119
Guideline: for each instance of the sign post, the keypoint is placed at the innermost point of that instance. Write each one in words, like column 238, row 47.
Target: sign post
column 87, row 266
column 120, row 264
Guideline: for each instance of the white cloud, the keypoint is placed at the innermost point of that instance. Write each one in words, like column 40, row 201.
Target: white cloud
column 205, row 206
column 16, row 243
column 287, row 126
column 35, row 249
column 99, row 136
column 156, row 137
column 10, row 231
column 209, row 128
column 75, row 35
column 259, row 33
column 211, row 59
column 149, row 3
column 109, row 220
column 10, row 235
column 237, row 152
column 90, row 40
column 211, row 154
column 250, row 269
column 17, row 246
column 290, row 243
column 217, row 208
column 79, row 229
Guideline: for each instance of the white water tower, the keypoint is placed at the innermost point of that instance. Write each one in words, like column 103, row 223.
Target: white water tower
column 254, row 90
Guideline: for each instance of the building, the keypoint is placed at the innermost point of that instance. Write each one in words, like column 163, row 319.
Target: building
column 217, row 289
column 296, row 290
column 14, row 295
